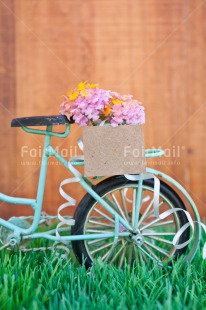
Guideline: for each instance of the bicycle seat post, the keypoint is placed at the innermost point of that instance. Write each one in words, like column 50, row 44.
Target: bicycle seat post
column 44, row 163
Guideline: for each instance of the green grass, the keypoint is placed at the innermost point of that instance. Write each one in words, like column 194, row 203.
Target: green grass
column 37, row 280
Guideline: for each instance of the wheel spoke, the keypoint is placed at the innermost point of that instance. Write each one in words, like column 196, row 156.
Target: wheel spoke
column 163, row 223
column 136, row 253
column 145, row 212
column 153, row 223
column 150, row 214
column 102, row 247
column 124, row 204
column 161, row 240
column 103, row 214
column 118, row 206
column 117, row 254
column 107, row 253
column 123, row 255
column 151, row 233
column 151, row 252
column 95, row 241
column 157, row 248
column 101, row 224
column 125, row 195
column 130, row 254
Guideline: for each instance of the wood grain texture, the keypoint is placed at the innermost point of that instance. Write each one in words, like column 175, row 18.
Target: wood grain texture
column 152, row 49
column 8, row 181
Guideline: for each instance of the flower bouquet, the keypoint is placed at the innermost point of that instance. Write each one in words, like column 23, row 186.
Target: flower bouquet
column 109, row 147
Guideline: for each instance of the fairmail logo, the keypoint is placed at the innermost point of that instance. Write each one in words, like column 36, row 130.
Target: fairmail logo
column 135, row 152
column 174, row 152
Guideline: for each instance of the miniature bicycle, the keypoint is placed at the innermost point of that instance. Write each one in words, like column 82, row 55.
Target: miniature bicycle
column 115, row 220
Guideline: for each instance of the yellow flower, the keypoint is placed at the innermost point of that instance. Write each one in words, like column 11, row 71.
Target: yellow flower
column 116, row 101
column 85, row 93
column 81, row 90
column 92, row 85
column 73, row 95
column 81, row 86
column 70, row 92
column 107, row 110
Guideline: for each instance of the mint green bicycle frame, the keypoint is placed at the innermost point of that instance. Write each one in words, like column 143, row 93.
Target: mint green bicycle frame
column 18, row 233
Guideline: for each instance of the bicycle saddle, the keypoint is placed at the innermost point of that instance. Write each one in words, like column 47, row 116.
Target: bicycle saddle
column 40, row 121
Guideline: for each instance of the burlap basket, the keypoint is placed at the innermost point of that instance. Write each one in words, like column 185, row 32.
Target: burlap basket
column 113, row 150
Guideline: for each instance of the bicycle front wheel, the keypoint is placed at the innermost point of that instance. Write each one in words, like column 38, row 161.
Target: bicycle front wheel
column 152, row 241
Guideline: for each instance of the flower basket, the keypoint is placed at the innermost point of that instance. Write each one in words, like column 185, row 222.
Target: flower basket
column 113, row 139
column 112, row 151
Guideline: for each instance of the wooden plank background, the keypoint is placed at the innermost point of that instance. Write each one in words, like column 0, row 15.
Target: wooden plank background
column 154, row 49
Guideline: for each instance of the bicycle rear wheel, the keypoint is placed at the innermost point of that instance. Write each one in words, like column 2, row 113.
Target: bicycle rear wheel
column 153, row 241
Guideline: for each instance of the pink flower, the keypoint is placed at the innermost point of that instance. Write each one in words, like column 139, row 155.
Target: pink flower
column 80, row 119
column 87, row 105
column 65, row 108
column 128, row 112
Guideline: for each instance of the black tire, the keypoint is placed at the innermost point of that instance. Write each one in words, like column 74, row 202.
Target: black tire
column 105, row 187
